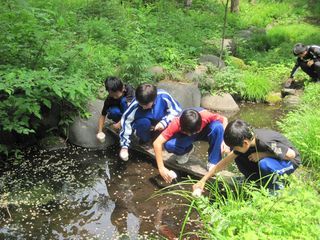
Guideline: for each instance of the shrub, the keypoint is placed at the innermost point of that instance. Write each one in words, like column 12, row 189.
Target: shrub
column 223, row 80
column 25, row 92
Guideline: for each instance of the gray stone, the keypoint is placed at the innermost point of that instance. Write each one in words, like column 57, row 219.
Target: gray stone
column 187, row 94
column 212, row 59
column 223, row 103
column 289, row 91
column 83, row 131
column 291, row 100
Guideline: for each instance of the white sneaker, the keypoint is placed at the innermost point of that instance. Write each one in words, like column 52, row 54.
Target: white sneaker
column 184, row 158
column 124, row 154
column 210, row 166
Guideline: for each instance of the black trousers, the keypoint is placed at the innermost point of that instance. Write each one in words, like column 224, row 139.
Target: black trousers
column 313, row 71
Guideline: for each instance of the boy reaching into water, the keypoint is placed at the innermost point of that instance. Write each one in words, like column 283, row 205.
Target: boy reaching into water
column 117, row 102
column 193, row 125
column 150, row 112
column 260, row 154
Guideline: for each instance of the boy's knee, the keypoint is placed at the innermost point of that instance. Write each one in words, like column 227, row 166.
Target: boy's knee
column 216, row 127
column 170, row 146
column 265, row 166
column 144, row 123
column 114, row 114
column 114, row 110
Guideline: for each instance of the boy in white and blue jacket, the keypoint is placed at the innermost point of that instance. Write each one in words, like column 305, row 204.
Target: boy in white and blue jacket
column 151, row 110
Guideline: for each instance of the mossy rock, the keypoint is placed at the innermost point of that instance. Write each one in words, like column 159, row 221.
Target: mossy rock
column 273, row 98
column 237, row 62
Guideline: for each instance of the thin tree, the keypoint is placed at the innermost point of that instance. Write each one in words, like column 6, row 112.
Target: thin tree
column 224, row 29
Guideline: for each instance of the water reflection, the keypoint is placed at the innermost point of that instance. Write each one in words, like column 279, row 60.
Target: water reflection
column 80, row 194
column 260, row 115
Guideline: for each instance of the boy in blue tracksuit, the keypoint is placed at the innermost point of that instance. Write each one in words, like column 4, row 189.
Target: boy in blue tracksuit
column 120, row 96
column 151, row 110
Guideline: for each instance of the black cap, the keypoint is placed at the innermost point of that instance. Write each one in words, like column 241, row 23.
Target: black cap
column 299, row 48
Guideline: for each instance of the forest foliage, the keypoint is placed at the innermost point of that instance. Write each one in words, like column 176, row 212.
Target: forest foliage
column 59, row 52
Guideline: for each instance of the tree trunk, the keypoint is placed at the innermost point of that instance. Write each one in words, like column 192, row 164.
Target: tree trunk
column 234, row 8
column 223, row 31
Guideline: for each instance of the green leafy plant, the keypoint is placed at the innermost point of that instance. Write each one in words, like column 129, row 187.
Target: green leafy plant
column 255, row 86
column 306, row 115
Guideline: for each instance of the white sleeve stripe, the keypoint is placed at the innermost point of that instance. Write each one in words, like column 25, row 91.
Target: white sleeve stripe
column 126, row 121
column 173, row 109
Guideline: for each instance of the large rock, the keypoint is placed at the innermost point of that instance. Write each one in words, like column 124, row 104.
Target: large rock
column 223, row 103
column 187, row 94
column 83, row 131
column 212, row 59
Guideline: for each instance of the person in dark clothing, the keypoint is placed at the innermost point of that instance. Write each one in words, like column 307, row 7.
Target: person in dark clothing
column 117, row 102
column 260, row 154
column 308, row 59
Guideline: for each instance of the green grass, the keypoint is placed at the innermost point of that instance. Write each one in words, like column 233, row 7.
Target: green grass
column 255, row 86
column 245, row 212
column 302, row 126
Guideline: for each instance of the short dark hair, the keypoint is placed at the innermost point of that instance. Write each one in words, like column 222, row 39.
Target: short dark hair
column 190, row 121
column 236, row 132
column 298, row 49
column 146, row 93
column 113, row 84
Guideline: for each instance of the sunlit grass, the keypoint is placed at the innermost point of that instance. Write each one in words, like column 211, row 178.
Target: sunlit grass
column 247, row 212
column 302, row 126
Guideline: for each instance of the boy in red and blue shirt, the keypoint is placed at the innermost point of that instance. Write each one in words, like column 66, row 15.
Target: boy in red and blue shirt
column 195, row 124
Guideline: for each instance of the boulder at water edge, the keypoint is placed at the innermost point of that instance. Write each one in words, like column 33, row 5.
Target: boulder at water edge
column 83, row 131
column 223, row 103
column 187, row 94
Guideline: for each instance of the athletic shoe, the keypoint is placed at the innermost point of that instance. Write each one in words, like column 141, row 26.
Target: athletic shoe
column 185, row 158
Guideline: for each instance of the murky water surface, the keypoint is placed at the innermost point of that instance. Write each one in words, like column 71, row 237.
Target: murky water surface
column 82, row 194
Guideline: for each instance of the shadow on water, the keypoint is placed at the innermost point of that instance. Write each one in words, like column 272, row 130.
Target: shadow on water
column 81, row 194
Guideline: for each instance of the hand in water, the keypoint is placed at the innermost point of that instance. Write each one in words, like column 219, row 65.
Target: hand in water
column 166, row 175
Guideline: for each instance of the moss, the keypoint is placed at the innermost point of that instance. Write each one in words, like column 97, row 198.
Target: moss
column 273, row 98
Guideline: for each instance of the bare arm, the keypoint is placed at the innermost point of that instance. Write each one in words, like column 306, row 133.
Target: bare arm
column 157, row 146
column 102, row 119
column 225, row 122
column 255, row 157
column 220, row 166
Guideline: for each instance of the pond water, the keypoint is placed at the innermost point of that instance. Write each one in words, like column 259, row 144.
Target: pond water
column 81, row 194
